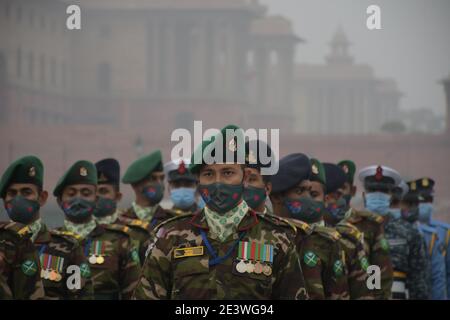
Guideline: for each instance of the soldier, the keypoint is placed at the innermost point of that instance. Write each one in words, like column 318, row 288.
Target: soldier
column 22, row 191
column 406, row 256
column 182, row 186
column 257, row 187
column 19, row 264
column 436, row 238
column 371, row 226
column 352, row 239
column 225, row 251
column 294, row 197
column 114, row 262
column 146, row 177
column 108, row 191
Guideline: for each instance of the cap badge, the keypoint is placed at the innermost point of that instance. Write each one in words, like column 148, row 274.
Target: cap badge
column 182, row 168
column 379, row 174
column 425, row 182
column 83, row 172
column 345, row 168
column 251, row 157
column 232, row 145
column 32, row 172
column 314, row 169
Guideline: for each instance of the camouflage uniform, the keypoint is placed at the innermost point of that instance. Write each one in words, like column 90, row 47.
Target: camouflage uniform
column 322, row 261
column 191, row 277
column 352, row 242
column 375, row 246
column 65, row 247
column 139, row 230
column 117, row 275
column 19, row 264
column 408, row 257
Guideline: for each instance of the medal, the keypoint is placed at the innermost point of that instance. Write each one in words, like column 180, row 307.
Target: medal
column 58, row 277
column 93, row 259
column 53, row 275
column 100, row 260
column 258, row 268
column 241, row 267
column 267, row 270
column 46, row 274
column 250, row 267
column 42, row 273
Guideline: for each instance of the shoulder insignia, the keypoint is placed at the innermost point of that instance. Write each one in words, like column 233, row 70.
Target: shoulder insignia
column 165, row 222
column 327, row 232
column 135, row 223
column 117, row 227
column 371, row 216
column 279, row 221
column 349, row 230
column 67, row 235
column 17, row 228
column 306, row 228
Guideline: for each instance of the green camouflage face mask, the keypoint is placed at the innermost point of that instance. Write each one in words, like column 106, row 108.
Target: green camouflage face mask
column 221, row 197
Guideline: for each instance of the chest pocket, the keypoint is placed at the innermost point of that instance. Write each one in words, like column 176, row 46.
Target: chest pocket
column 190, row 277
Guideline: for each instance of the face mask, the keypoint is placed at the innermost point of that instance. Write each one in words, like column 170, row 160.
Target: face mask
column 154, row 193
column 348, row 199
column 105, row 207
column 410, row 215
column 78, row 210
column 221, row 197
column 338, row 210
column 22, row 210
column 425, row 212
column 183, row 198
column 378, row 202
column 395, row 213
column 254, row 196
column 201, row 203
column 305, row 209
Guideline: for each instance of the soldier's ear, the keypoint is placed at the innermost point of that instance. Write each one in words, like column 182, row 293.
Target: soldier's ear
column 119, row 196
column 276, row 199
column 43, row 196
column 353, row 190
column 268, row 188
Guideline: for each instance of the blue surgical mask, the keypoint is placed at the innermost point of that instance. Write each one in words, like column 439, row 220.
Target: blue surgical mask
column 425, row 212
column 200, row 203
column 378, row 202
column 183, row 198
column 395, row 213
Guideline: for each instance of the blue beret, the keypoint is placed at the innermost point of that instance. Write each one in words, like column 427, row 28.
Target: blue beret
column 108, row 171
column 335, row 177
column 293, row 169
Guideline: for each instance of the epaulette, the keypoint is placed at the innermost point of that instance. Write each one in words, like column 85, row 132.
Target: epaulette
column 278, row 221
column 67, row 235
column 349, row 230
column 306, row 228
column 370, row 216
column 118, row 228
column 134, row 222
column 327, row 232
column 16, row 228
column 165, row 222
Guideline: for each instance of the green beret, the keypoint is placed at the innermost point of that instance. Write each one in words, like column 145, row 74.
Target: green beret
column 81, row 172
column 349, row 168
column 27, row 169
column 231, row 144
column 143, row 167
column 317, row 172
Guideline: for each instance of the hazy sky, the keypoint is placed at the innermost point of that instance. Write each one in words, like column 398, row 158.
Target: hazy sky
column 413, row 46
